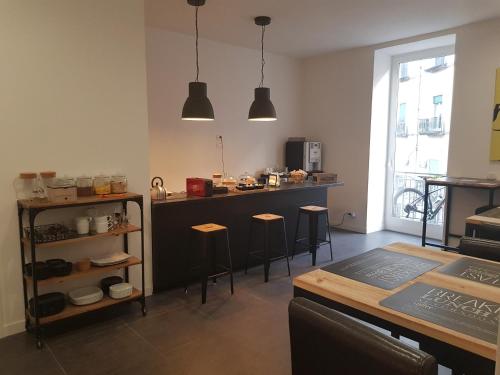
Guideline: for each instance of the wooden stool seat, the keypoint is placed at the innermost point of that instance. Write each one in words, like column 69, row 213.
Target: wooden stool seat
column 314, row 208
column 268, row 217
column 207, row 228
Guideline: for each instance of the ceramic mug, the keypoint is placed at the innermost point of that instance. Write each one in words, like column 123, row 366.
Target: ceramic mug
column 83, row 224
column 103, row 224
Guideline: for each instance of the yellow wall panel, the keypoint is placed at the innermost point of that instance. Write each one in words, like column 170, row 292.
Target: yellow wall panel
column 495, row 126
column 496, row 108
column 495, row 145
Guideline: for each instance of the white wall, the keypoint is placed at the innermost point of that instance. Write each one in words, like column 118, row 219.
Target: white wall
column 181, row 149
column 72, row 99
column 477, row 58
column 338, row 110
column 337, row 103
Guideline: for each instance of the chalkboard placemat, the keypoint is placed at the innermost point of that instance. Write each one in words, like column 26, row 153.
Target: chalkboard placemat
column 382, row 268
column 475, row 270
column 460, row 312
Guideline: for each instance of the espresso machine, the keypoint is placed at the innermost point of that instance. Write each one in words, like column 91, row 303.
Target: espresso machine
column 303, row 155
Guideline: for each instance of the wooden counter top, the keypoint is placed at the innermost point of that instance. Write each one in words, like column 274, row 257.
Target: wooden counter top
column 182, row 197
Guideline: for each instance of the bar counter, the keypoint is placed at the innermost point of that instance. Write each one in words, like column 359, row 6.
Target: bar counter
column 172, row 219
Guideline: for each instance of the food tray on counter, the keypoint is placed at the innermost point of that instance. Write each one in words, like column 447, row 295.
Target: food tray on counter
column 250, row 187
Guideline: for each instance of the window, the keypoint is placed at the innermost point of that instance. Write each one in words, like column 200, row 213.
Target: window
column 403, row 72
column 438, row 99
column 401, row 126
column 438, row 61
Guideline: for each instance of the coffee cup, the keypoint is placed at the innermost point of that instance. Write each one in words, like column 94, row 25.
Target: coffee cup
column 103, row 223
column 83, row 224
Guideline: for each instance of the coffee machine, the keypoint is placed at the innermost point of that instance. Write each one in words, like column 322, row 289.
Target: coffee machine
column 303, row 155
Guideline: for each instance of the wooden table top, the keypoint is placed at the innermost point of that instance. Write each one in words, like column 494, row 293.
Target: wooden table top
column 364, row 297
column 464, row 182
column 491, row 217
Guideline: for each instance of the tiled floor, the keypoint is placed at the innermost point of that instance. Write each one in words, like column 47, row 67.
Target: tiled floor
column 246, row 333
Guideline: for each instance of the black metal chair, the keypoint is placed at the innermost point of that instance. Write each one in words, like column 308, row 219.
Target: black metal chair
column 267, row 222
column 206, row 236
column 313, row 242
column 324, row 341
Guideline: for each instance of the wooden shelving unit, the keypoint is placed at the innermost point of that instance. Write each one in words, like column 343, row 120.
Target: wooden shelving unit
column 32, row 208
column 112, row 233
column 94, row 271
column 73, row 310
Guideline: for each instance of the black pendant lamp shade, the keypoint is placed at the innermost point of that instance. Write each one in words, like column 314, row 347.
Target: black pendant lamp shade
column 262, row 109
column 197, row 106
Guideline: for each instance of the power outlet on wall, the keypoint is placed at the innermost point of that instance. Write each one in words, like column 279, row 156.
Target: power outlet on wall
column 352, row 214
column 218, row 141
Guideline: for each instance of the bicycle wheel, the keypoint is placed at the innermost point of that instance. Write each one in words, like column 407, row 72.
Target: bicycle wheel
column 410, row 202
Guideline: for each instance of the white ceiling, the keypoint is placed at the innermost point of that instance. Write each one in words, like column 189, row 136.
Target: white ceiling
column 308, row 27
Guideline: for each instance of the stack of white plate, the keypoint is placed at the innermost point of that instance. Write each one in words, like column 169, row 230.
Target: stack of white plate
column 110, row 260
column 121, row 290
column 85, row 296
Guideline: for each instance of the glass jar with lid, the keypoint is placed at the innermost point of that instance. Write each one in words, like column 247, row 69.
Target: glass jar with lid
column 119, row 184
column 26, row 185
column 47, row 178
column 102, row 185
column 84, row 186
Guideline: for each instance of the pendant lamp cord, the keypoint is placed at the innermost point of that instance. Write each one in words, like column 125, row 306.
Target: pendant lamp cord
column 196, row 26
column 263, row 62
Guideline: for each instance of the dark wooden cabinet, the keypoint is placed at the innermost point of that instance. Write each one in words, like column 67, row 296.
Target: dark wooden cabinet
column 173, row 218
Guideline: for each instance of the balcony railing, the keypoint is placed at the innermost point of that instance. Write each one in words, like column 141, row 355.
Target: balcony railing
column 401, row 129
column 431, row 126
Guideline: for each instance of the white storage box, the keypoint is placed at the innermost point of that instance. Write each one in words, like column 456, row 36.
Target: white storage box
column 121, row 290
column 85, row 296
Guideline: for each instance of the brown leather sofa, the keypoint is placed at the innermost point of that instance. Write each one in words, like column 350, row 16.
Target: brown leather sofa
column 480, row 248
column 324, row 341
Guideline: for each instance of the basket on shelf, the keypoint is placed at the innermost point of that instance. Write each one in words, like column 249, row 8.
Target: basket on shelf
column 50, row 233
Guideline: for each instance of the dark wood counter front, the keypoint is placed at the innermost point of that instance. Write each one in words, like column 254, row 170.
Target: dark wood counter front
column 172, row 219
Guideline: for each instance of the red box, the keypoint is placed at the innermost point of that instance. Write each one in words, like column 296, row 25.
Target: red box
column 199, row 187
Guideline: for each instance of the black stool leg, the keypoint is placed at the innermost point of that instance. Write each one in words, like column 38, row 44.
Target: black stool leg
column 230, row 262
column 286, row 246
column 204, row 268
column 266, row 252
column 213, row 257
column 329, row 235
column 313, row 236
column 188, row 261
column 296, row 234
column 250, row 247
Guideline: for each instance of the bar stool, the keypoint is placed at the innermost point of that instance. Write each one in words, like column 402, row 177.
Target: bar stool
column 313, row 212
column 207, row 235
column 266, row 220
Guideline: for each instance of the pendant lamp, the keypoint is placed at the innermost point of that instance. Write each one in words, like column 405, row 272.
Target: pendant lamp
column 197, row 106
column 262, row 109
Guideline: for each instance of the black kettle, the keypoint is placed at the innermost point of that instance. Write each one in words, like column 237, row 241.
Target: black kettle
column 157, row 190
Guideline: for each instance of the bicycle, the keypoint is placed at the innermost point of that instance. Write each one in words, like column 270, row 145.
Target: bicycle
column 412, row 201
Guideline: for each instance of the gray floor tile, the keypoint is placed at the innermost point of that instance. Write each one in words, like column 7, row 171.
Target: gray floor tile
column 246, row 333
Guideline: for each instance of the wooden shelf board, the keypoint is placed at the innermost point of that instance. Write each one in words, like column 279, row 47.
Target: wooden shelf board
column 72, row 310
column 116, row 232
column 80, row 201
column 94, row 270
